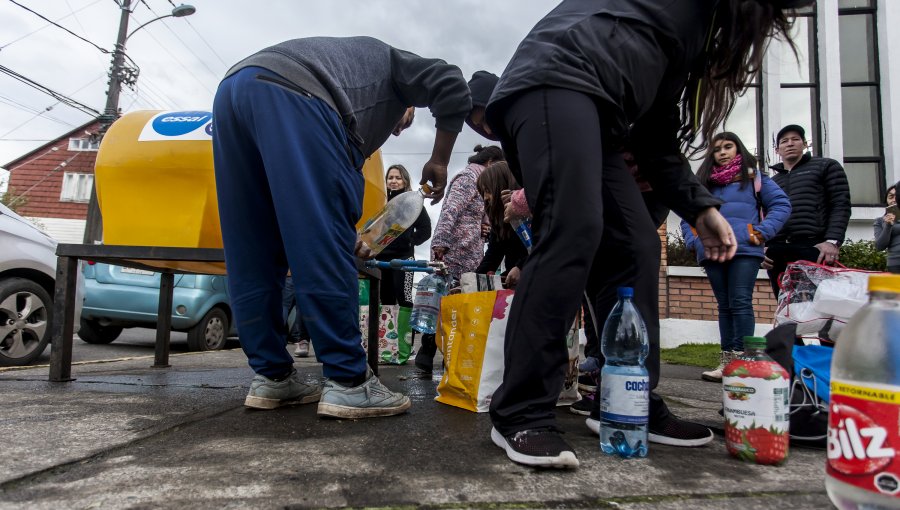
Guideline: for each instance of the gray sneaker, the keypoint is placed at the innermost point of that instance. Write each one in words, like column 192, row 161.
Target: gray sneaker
column 302, row 350
column 368, row 400
column 268, row 394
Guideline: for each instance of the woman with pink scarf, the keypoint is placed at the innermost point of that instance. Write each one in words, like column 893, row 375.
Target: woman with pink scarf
column 756, row 208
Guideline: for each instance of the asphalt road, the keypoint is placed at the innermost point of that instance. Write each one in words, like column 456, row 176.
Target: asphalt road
column 133, row 342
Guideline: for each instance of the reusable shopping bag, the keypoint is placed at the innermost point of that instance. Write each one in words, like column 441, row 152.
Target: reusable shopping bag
column 394, row 333
column 471, row 338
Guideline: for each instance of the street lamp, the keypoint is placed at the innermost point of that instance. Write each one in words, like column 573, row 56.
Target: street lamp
column 117, row 75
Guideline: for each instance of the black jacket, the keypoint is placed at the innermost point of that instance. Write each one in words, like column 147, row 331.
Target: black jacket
column 404, row 246
column 510, row 249
column 633, row 58
column 820, row 200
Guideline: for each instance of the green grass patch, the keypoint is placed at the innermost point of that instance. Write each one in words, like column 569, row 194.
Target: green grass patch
column 698, row 355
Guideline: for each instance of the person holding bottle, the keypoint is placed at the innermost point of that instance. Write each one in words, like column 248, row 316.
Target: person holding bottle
column 504, row 246
column 457, row 240
column 730, row 172
column 293, row 124
column 396, row 286
column 887, row 231
column 655, row 72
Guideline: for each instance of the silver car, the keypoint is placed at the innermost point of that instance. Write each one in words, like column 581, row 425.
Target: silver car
column 27, row 279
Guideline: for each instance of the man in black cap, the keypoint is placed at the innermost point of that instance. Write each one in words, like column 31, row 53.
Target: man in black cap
column 820, row 202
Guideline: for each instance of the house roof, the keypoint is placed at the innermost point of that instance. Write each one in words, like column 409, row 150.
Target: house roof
column 83, row 127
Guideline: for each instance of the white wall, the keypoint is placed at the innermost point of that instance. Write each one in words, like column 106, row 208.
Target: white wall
column 63, row 230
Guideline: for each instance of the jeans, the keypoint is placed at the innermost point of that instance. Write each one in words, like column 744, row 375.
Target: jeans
column 733, row 283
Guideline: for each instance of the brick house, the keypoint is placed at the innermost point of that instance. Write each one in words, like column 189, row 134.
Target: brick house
column 55, row 182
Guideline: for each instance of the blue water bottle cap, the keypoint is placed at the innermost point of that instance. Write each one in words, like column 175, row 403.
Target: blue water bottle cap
column 625, row 292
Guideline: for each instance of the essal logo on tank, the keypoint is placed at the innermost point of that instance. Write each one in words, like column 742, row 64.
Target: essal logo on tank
column 180, row 123
column 857, row 445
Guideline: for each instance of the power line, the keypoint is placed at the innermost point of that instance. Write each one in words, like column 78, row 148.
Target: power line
column 42, row 179
column 103, row 50
column 213, row 50
column 52, row 93
column 166, row 24
column 47, row 25
column 30, row 109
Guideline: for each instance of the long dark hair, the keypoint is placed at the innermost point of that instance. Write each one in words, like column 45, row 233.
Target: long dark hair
column 494, row 179
column 483, row 155
column 735, row 47
column 404, row 173
column 748, row 161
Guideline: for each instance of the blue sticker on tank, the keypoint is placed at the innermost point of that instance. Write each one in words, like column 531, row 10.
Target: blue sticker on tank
column 180, row 123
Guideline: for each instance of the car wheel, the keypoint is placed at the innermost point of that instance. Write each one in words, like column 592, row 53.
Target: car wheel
column 211, row 333
column 93, row 332
column 25, row 309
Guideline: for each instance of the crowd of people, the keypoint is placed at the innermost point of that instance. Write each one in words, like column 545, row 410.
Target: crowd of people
column 594, row 114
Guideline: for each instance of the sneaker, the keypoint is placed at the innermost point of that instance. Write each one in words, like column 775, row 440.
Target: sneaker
column 671, row 431
column 584, row 406
column 268, row 394
column 674, row 431
column 368, row 400
column 302, row 350
column 588, row 382
column 715, row 375
column 543, row 447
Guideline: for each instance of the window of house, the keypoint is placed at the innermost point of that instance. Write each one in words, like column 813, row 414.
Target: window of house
column 76, row 187
column 84, row 144
column 799, row 94
column 861, row 102
column 745, row 120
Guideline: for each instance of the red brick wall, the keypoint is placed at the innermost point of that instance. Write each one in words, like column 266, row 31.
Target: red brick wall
column 39, row 177
column 691, row 297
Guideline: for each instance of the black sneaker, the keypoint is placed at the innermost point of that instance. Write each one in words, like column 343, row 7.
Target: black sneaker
column 584, row 406
column 587, row 382
column 674, row 431
column 670, row 430
column 542, row 447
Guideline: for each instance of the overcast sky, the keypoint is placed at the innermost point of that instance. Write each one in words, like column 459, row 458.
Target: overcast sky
column 183, row 59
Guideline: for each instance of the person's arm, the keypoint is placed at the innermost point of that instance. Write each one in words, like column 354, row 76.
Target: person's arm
column 441, row 87
column 492, row 257
column 837, row 201
column 421, row 229
column 882, row 234
column 777, row 206
column 450, row 212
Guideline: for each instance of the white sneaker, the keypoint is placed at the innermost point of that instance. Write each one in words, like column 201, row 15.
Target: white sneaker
column 302, row 350
column 368, row 400
column 715, row 375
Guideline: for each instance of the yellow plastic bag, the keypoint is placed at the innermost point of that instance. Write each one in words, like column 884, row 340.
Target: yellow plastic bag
column 472, row 331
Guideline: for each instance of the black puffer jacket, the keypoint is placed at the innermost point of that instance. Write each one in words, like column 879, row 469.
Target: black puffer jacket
column 404, row 246
column 820, row 199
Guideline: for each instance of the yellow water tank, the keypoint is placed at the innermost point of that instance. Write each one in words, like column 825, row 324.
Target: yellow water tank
column 156, row 186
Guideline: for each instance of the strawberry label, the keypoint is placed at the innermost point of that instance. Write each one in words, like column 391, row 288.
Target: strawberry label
column 863, row 435
column 756, row 395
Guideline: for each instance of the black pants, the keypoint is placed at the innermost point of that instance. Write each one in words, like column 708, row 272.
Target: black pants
column 591, row 230
column 783, row 254
column 392, row 289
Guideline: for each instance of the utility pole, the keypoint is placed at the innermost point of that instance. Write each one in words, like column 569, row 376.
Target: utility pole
column 93, row 229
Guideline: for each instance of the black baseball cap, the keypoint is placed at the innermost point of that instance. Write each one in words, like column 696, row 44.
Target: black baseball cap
column 788, row 129
column 482, row 86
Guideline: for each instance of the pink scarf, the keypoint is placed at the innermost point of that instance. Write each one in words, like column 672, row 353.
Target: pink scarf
column 722, row 175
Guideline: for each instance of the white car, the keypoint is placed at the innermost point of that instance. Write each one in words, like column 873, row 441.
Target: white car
column 27, row 280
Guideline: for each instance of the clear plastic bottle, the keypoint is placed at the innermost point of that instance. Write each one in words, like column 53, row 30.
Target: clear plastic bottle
column 393, row 219
column 756, row 395
column 427, row 303
column 864, row 407
column 523, row 230
column 625, row 382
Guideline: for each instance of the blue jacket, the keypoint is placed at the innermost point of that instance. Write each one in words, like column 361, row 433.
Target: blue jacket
column 740, row 209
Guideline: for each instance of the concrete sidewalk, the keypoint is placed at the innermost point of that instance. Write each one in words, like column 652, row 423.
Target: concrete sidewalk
column 124, row 435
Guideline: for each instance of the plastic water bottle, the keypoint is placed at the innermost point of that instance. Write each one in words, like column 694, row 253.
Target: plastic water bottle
column 427, row 303
column 864, row 407
column 523, row 230
column 756, row 395
column 624, row 383
column 393, row 219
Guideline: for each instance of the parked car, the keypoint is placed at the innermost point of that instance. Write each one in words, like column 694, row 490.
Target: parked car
column 27, row 280
column 121, row 297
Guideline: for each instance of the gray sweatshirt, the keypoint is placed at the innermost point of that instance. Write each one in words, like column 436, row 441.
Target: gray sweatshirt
column 888, row 237
column 368, row 83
